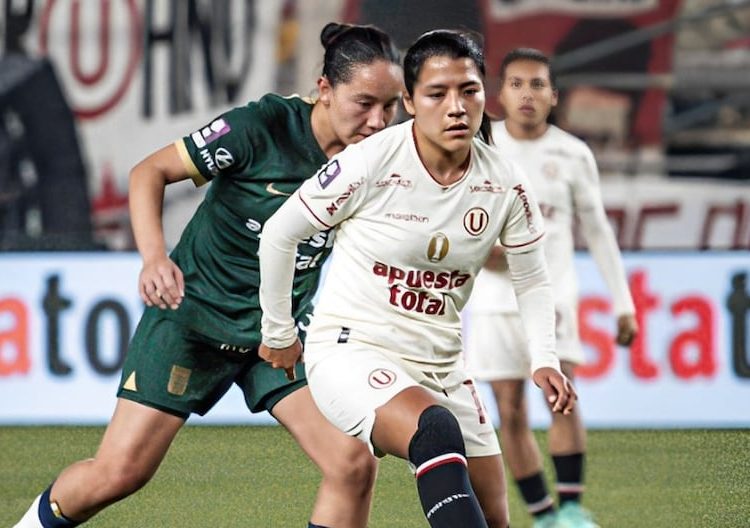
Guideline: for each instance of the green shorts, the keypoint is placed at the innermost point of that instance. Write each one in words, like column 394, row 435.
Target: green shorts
column 173, row 369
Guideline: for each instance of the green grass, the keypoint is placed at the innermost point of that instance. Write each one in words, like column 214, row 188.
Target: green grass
column 257, row 477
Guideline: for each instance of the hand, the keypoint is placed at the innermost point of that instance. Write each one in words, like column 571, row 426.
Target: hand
column 161, row 283
column 558, row 390
column 285, row 358
column 627, row 329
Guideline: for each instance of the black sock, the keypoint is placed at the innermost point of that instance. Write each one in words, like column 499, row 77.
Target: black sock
column 569, row 469
column 535, row 494
column 446, row 494
column 311, row 525
column 48, row 517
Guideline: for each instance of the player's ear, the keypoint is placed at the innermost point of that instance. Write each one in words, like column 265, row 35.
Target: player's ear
column 408, row 104
column 325, row 90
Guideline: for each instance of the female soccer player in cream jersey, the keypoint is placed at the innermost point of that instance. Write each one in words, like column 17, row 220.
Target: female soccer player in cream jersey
column 418, row 209
column 564, row 175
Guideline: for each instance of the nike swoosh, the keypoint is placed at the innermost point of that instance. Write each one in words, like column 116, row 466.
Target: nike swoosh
column 273, row 190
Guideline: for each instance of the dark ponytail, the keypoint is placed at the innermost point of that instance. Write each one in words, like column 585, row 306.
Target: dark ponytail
column 348, row 46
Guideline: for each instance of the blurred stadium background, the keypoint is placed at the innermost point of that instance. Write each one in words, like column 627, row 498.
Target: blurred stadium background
column 659, row 88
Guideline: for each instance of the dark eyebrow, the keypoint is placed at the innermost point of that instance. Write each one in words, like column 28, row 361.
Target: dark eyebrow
column 462, row 85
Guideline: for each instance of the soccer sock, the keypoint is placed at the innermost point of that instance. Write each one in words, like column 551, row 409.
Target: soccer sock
column 535, row 494
column 437, row 451
column 311, row 525
column 569, row 469
column 50, row 513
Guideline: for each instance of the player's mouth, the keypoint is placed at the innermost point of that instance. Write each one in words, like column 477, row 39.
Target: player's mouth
column 458, row 129
column 527, row 109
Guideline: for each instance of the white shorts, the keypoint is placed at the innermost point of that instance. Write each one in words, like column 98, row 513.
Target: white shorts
column 495, row 345
column 350, row 381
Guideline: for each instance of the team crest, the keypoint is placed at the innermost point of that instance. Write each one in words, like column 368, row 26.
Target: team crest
column 476, row 221
column 438, row 247
column 381, row 378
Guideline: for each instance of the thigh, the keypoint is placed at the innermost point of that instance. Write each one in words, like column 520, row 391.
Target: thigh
column 495, row 347
column 264, row 386
column 172, row 369
column 349, row 382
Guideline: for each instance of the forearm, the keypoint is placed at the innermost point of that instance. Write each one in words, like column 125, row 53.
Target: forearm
column 146, row 198
column 278, row 247
column 605, row 252
column 528, row 271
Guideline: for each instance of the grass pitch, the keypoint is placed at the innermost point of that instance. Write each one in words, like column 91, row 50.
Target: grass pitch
column 257, row 477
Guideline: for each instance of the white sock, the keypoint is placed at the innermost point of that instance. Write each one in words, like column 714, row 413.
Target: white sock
column 31, row 518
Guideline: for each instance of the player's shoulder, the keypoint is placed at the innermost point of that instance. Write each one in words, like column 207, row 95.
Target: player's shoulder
column 568, row 142
column 274, row 106
column 493, row 161
column 383, row 143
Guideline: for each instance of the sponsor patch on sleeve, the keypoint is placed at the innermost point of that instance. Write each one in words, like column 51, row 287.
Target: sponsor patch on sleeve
column 210, row 133
column 328, row 173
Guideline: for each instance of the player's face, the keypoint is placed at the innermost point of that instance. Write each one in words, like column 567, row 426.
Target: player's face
column 527, row 94
column 447, row 103
column 367, row 103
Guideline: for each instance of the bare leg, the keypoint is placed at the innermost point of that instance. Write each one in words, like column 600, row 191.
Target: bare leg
column 348, row 469
column 134, row 444
column 519, row 445
column 567, row 434
column 488, row 480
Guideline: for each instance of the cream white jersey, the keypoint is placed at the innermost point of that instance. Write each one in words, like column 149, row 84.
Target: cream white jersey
column 563, row 173
column 408, row 249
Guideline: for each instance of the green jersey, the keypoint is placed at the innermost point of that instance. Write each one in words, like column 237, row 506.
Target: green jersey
column 255, row 157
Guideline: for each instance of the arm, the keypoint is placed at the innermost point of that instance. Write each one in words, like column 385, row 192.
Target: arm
column 528, row 272
column 603, row 248
column 160, row 282
column 278, row 246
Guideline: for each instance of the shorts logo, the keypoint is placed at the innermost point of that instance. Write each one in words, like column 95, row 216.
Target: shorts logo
column 223, row 158
column 438, row 247
column 212, row 132
column 178, row 380
column 328, row 173
column 476, row 220
column 381, row 378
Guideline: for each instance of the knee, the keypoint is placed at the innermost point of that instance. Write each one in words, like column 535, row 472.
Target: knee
column 119, row 480
column 356, row 470
column 438, row 433
column 513, row 415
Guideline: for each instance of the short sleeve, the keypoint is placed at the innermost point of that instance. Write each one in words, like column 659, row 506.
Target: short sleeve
column 223, row 146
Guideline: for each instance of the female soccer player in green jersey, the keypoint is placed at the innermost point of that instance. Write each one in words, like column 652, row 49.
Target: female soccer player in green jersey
column 201, row 329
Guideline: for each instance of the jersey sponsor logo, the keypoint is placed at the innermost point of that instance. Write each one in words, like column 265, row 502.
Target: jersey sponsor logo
column 209, row 162
column 270, row 189
column 394, row 180
column 439, row 280
column 476, row 220
column 487, row 187
column 212, row 132
column 234, row 348
column 408, row 217
column 551, row 170
column 418, row 301
column 381, row 378
column 253, row 225
column 344, row 196
column 328, row 173
column 437, row 248
column 224, row 158
column 526, row 208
